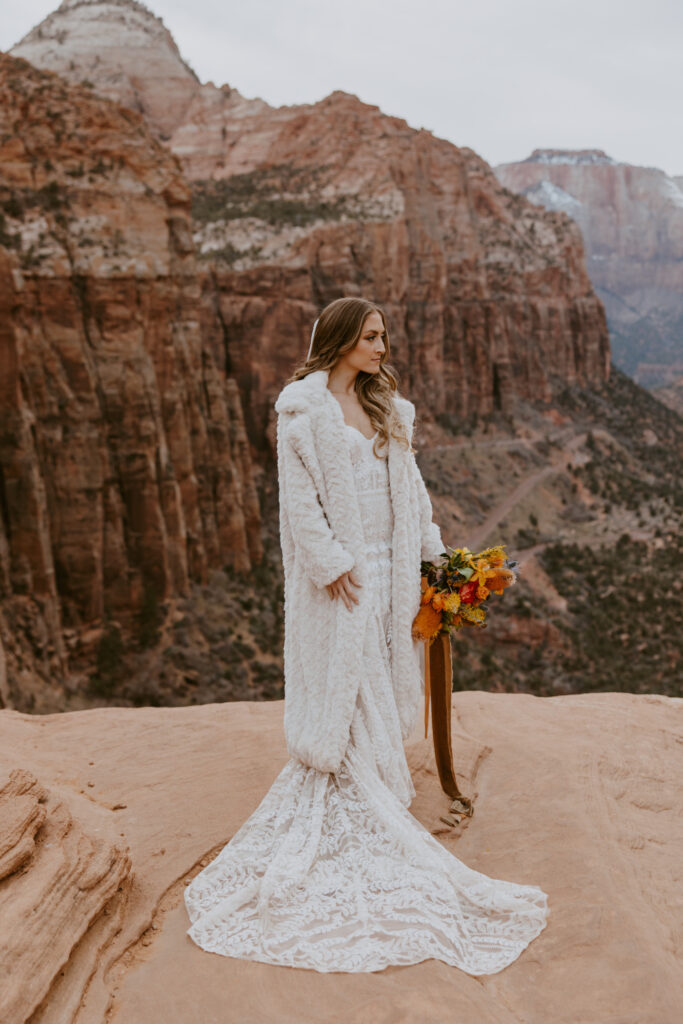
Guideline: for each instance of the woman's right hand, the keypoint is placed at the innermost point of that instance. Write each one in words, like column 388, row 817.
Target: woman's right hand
column 341, row 587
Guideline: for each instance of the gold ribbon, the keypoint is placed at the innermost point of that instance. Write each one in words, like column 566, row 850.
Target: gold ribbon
column 427, row 687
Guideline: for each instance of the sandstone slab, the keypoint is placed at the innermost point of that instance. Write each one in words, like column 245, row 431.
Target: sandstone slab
column 579, row 794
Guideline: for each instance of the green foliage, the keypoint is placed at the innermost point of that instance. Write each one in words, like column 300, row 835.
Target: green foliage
column 50, row 196
column 150, row 616
column 13, row 207
column 625, row 603
column 280, row 195
column 109, row 662
column 9, row 240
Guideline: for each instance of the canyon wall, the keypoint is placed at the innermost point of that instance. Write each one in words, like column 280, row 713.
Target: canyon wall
column 488, row 298
column 125, row 464
column 487, row 294
column 631, row 219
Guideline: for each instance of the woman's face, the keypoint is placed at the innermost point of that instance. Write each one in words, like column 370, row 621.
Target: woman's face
column 366, row 353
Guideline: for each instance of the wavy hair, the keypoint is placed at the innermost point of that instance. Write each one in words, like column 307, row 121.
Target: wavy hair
column 339, row 329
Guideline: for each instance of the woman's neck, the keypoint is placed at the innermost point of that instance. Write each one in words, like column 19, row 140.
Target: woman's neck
column 341, row 380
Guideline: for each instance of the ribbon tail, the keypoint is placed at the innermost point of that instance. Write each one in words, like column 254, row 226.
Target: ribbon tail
column 427, row 687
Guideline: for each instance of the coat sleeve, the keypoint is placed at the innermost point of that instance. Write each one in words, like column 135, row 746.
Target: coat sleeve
column 432, row 545
column 322, row 556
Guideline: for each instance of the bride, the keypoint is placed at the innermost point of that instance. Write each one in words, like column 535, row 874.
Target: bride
column 331, row 871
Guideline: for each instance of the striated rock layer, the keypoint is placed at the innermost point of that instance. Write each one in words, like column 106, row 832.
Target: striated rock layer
column 562, row 800
column 125, row 466
column 631, row 219
column 488, row 296
column 62, row 892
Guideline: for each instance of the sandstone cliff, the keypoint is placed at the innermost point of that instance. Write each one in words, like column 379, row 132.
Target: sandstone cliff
column 104, row 824
column 631, row 219
column 125, row 463
column 488, row 296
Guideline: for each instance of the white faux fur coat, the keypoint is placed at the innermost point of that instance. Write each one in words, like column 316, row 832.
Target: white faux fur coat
column 321, row 537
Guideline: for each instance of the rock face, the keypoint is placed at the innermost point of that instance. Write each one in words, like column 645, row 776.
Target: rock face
column 487, row 295
column 488, row 298
column 125, row 463
column 631, row 219
column 122, row 49
column 562, row 800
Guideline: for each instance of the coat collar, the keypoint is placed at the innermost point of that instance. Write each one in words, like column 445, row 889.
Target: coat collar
column 305, row 394
column 301, row 395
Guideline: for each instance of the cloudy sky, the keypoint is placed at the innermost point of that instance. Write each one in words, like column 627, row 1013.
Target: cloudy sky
column 499, row 76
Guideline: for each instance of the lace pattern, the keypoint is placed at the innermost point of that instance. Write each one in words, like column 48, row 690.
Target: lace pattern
column 332, row 872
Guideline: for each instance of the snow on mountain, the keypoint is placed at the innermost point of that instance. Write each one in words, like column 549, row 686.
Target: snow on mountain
column 552, row 197
column 570, row 156
column 123, row 49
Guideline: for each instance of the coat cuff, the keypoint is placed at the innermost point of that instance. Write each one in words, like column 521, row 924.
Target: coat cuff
column 337, row 561
column 432, row 545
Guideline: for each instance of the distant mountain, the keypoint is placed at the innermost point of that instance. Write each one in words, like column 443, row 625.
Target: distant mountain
column 672, row 395
column 631, row 219
column 122, row 49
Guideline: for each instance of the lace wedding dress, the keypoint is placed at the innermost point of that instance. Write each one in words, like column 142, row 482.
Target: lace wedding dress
column 332, row 872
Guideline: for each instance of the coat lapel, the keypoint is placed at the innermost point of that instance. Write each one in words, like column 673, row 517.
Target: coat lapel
column 329, row 433
column 331, row 441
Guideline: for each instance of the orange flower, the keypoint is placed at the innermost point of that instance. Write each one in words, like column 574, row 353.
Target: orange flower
column 428, row 594
column 482, row 592
column 427, row 623
column 503, row 578
column 437, row 602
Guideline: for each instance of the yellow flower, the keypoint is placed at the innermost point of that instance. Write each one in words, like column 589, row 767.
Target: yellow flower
column 473, row 615
column 452, row 602
column 495, row 555
column 483, row 571
column 466, row 554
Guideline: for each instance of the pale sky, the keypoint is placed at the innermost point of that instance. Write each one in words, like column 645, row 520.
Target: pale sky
column 501, row 76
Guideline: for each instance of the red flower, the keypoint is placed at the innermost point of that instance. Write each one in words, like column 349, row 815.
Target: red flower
column 468, row 592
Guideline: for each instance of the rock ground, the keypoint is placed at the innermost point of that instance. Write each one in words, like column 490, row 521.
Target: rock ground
column 578, row 794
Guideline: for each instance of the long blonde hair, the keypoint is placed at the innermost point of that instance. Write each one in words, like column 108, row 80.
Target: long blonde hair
column 338, row 330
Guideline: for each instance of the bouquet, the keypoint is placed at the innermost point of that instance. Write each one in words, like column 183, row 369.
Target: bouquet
column 454, row 593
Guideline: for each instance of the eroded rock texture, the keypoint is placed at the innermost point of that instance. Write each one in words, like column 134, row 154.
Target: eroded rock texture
column 58, row 881
column 125, row 465
column 487, row 296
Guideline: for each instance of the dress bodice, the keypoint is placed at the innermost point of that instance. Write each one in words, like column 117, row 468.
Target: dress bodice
column 371, row 474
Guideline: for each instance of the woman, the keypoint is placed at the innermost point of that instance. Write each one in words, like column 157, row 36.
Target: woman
column 331, row 871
